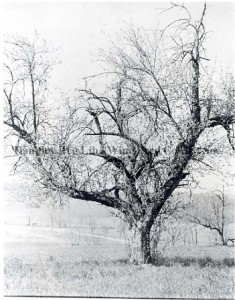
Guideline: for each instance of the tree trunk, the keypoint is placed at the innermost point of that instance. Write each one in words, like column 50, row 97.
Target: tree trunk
column 145, row 246
column 134, row 245
column 139, row 245
column 223, row 240
column 196, row 235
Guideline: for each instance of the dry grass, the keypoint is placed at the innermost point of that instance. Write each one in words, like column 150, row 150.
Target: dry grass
column 102, row 270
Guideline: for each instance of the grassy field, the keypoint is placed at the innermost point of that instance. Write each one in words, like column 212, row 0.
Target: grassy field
column 50, row 265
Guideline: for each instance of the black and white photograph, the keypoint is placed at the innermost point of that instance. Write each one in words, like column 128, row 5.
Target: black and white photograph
column 119, row 142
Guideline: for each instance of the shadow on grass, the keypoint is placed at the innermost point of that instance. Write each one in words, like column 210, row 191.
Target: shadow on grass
column 170, row 262
column 193, row 261
column 96, row 262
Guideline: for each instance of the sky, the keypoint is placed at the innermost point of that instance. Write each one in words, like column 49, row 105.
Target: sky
column 79, row 29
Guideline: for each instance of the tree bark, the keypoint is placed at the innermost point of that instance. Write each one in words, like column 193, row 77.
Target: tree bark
column 145, row 246
column 134, row 246
column 140, row 246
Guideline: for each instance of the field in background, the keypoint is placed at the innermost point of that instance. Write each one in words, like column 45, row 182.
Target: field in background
column 70, row 261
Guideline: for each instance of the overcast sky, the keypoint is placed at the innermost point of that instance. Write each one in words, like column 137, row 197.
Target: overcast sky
column 79, row 29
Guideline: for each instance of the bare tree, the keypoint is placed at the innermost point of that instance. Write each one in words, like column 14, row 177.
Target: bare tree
column 29, row 195
column 214, row 214
column 30, row 216
column 105, row 230
column 148, row 126
column 92, row 225
column 52, row 218
column 175, row 234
